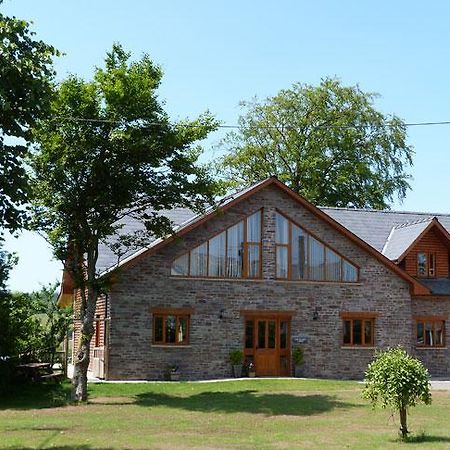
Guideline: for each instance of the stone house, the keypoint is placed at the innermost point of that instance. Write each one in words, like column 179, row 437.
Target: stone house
column 266, row 271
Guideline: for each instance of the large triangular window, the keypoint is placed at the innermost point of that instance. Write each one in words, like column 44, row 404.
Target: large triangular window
column 300, row 256
column 234, row 253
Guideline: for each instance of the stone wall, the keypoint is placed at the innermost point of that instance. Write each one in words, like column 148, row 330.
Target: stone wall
column 148, row 284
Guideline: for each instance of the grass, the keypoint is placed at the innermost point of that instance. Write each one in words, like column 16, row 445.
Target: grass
column 250, row 414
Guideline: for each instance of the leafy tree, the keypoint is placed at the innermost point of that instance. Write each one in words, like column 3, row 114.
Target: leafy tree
column 326, row 142
column 119, row 156
column 54, row 321
column 398, row 381
column 25, row 85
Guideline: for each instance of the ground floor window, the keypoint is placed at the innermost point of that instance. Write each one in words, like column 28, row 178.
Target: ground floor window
column 171, row 328
column 358, row 330
column 430, row 332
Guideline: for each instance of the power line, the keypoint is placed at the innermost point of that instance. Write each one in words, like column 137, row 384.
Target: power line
column 226, row 126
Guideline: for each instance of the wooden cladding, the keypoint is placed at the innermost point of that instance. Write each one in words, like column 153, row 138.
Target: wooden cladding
column 429, row 257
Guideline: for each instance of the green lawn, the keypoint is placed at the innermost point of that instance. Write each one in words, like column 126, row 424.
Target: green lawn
column 253, row 414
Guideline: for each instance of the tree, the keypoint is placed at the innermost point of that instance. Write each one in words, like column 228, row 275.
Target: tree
column 326, row 142
column 397, row 380
column 25, row 86
column 54, row 321
column 112, row 152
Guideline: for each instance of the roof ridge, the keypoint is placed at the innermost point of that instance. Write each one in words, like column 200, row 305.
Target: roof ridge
column 413, row 222
column 384, row 211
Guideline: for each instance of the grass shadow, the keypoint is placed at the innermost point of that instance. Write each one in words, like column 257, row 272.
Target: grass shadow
column 424, row 438
column 36, row 396
column 247, row 401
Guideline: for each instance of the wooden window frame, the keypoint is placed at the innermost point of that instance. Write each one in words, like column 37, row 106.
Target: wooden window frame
column 308, row 256
column 245, row 253
column 434, row 321
column 430, row 264
column 178, row 314
column 363, row 317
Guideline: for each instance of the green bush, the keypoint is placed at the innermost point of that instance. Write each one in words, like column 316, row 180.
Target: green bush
column 398, row 381
column 236, row 357
column 297, row 356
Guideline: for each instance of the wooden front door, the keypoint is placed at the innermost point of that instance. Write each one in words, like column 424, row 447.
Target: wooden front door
column 267, row 344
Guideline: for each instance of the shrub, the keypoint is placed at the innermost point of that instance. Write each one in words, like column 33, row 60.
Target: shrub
column 398, row 381
column 236, row 357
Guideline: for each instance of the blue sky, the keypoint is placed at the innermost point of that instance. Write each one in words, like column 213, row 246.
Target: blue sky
column 215, row 54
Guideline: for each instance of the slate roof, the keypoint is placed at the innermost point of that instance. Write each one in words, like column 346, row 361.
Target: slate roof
column 438, row 286
column 402, row 237
column 375, row 226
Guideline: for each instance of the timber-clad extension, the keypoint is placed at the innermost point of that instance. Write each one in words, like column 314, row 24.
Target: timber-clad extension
column 266, row 271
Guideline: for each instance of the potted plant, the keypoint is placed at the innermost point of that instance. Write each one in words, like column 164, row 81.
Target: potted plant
column 173, row 373
column 236, row 357
column 251, row 370
column 297, row 358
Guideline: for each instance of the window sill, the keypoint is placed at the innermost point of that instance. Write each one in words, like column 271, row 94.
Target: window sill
column 357, row 347
column 431, row 348
column 170, row 346
column 266, row 280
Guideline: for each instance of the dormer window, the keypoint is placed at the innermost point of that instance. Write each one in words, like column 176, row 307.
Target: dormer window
column 426, row 264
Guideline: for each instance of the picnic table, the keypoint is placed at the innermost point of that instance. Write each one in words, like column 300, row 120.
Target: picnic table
column 38, row 371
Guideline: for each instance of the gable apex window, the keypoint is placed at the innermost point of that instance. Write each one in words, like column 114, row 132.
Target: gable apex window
column 301, row 256
column 233, row 253
column 426, row 264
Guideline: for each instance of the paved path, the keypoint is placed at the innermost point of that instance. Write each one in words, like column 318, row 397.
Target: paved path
column 442, row 385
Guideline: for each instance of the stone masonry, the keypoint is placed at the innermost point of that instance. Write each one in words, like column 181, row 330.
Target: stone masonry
column 148, row 284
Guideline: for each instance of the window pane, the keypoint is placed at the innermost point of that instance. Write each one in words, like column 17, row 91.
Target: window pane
column 261, row 334
column 254, row 227
column 253, row 261
column 216, row 266
column 432, row 265
column 272, row 330
column 429, row 334
column 333, row 265
column 283, row 334
column 199, row 260
column 171, row 324
column 316, row 260
column 299, row 270
column 357, row 332
column 249, row 334
column 350, row 272
column 180, row 266
column 158, row 332
column 282, row 262
column 281, row 233
column 439, row 333
column 420, row 334
column 235, row 239
column 347, row 331
column 182, row 330
column 422, row 264
column 368, row 332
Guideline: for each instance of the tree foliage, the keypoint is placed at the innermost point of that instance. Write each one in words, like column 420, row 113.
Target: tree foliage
column 398, row 381
column 25, row 86
column 326, row 142
column 112, row 153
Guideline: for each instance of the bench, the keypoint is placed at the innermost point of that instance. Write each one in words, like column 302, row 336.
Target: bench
column 56, row 377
